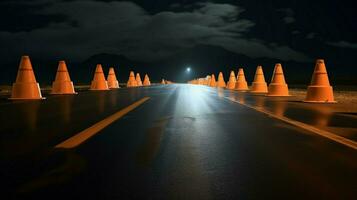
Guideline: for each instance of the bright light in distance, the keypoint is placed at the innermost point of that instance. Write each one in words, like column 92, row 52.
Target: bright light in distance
column 188, row 69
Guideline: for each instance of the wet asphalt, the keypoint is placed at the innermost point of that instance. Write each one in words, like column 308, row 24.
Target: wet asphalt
column 186, row 142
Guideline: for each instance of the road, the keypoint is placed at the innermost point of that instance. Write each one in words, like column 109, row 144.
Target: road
column 184, row 142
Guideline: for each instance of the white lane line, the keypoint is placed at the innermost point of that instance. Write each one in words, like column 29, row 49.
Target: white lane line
column 332, row 136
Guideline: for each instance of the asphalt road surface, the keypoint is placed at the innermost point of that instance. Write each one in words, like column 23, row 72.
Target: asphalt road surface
column 184, row 142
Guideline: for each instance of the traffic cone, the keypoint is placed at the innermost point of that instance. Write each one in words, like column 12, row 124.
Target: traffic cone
column 221, row 82
column 208, row 80
column 146, row 80
column 213, row 81
column 138, row 80
column 259, row 86
column 131, row 82
column 112, row 80
column 99, row 82
column 25, row 87
column 201, row 81
column 241, row 84
column 232, row 81
column 320, row 90
column 62, row 83
column 278, row 86
column 163, row 81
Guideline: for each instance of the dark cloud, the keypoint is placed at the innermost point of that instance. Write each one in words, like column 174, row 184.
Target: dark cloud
column 311, row 36
column 288, row 15
column 120, row 27
column 343, row 44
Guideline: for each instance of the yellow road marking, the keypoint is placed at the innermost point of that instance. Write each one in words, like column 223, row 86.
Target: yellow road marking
column 326, row 134
column 84, row 135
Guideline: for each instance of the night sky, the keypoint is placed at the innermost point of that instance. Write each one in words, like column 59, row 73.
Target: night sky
column 162, row 38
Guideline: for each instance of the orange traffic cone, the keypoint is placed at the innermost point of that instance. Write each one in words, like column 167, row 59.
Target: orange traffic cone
column 320, row 90
column 201, row 81
column 213, row 81
column 278, row 87
column 138, row 80
column 62, row 83
column 232, row 81
column 112, row 80
column 208, row 77
column 131, row 82
column 146, row 80
column 25, row 87
column 99, row 82
column 241, row 84
column 220, row 82
column 259, row 86
column 163, row 81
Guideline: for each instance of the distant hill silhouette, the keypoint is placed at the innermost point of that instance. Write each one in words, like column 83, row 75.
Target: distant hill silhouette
column 202, row 59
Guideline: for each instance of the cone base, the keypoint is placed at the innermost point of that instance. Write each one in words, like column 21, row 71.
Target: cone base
column 131, row 83
column 319, row 102
column 26, row 91
column 221, row 85
column 319, row 94
column 259, row 88
column 102, row 85
column 241, row 86
column 65, row 87
column 268, row 95
column 63, row 93
column 278, row 90
column 230, row 86
column 27, row 99
column 113, row 85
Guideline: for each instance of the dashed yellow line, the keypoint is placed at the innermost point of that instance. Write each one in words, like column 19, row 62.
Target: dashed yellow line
column 84, row 135
column 326, row 134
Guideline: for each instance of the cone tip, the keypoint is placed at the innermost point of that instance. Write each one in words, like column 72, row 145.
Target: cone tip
column 320, row 60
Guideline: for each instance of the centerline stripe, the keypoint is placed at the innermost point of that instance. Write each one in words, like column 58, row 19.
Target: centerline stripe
column 84, row 135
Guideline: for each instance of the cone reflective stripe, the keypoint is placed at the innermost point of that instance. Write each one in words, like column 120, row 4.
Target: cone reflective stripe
column 138, row 80
column 213, row 81
column 163, row 81
column 25, row 86
column 241, row 84
column 259, row 85
column 99, row 82
column 278, row 86
column 112, row 80
column 62, row 83
column 232, row 81
column 320, row 90
column 146, row 80
column 221, row 82
column 131, row 82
